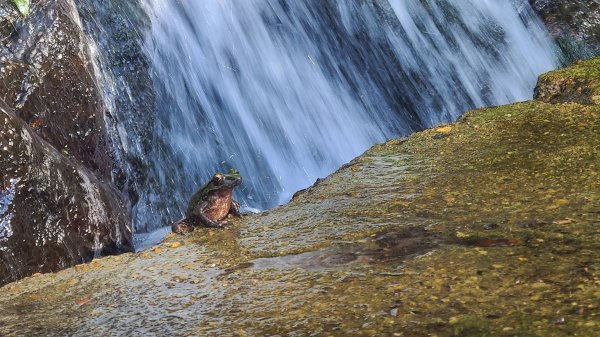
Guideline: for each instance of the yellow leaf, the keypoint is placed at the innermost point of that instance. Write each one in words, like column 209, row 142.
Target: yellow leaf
column 444, row 129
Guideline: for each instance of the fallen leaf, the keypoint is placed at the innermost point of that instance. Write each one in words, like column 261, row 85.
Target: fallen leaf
column 83, row 300
column 566, row 221
column 444, row 129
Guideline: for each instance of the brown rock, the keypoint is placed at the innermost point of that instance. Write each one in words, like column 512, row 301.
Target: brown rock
column 47, row 78
column 54, row 213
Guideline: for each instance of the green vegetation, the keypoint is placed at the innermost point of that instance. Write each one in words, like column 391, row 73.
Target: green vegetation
column 584, row 70
column 22, row 6
column 578, row 83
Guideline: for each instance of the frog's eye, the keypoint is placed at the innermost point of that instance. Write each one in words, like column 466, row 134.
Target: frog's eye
column 218, row 179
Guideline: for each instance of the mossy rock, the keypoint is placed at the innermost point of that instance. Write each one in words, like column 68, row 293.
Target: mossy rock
column 579, row 83
column 442, row 233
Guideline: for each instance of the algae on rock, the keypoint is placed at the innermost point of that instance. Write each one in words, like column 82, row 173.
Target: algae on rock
column 442, row 233
column 579, row 83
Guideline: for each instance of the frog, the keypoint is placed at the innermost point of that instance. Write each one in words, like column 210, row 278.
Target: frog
column 211, row 204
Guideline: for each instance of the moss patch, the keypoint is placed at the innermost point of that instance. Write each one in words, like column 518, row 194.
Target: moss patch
column 22, row 6
column 579, row 83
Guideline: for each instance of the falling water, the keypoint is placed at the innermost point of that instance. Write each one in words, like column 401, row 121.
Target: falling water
column 286, row 91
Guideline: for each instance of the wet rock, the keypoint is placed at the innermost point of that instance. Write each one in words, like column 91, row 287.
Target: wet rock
column 489, row 226
column 47, row 78
column 579, row 83
column 575, row 24
column 381, row 262
column 491, row 242
column 53, row 212
column 117, row 29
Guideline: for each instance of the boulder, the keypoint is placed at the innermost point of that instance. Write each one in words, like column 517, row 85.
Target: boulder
column 47, row 78
column 575, row 24
column 117, row 28
column 54, row 212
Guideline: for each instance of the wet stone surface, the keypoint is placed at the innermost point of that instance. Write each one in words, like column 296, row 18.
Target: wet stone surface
column 486, row 227
column 54, row 213
column 46, row 77
column 575, row 24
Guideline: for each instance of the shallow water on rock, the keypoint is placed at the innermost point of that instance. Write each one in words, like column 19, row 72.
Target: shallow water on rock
column 489, row 230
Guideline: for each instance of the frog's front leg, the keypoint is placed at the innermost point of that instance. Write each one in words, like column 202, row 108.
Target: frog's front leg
column 235, row 208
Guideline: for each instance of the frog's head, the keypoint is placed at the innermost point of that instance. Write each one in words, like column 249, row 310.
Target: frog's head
column 227, row 181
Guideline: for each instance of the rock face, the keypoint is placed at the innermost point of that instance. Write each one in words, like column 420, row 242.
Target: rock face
column 56, row 210
column 47, row 79
column 575, row 24
column 116, row 28
column 445, row 232
column 53, row 212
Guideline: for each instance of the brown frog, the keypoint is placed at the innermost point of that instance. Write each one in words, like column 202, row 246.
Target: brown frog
column 212, row 203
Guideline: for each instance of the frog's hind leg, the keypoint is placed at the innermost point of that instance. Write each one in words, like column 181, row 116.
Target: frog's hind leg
column 208, row 222
column 205, row 220
column 182, row 226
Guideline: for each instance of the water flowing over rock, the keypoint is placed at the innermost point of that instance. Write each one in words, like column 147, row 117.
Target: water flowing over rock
column 114, row 29
column 396, row 243
column 53, row 212
column 286, row 91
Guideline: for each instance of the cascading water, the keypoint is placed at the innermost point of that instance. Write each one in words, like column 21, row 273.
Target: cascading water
column 286, row 91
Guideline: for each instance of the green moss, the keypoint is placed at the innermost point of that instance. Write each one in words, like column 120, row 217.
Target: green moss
column 579, row 83
column 589, row 69
column 22, row 6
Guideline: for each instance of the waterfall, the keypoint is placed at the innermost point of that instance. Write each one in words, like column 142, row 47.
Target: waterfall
column 286, row 91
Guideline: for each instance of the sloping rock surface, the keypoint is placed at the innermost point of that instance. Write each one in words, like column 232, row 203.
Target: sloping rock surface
column 47, row 78
column 486, row 227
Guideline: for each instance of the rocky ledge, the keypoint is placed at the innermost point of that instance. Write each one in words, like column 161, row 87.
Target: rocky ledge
column 488, row 226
